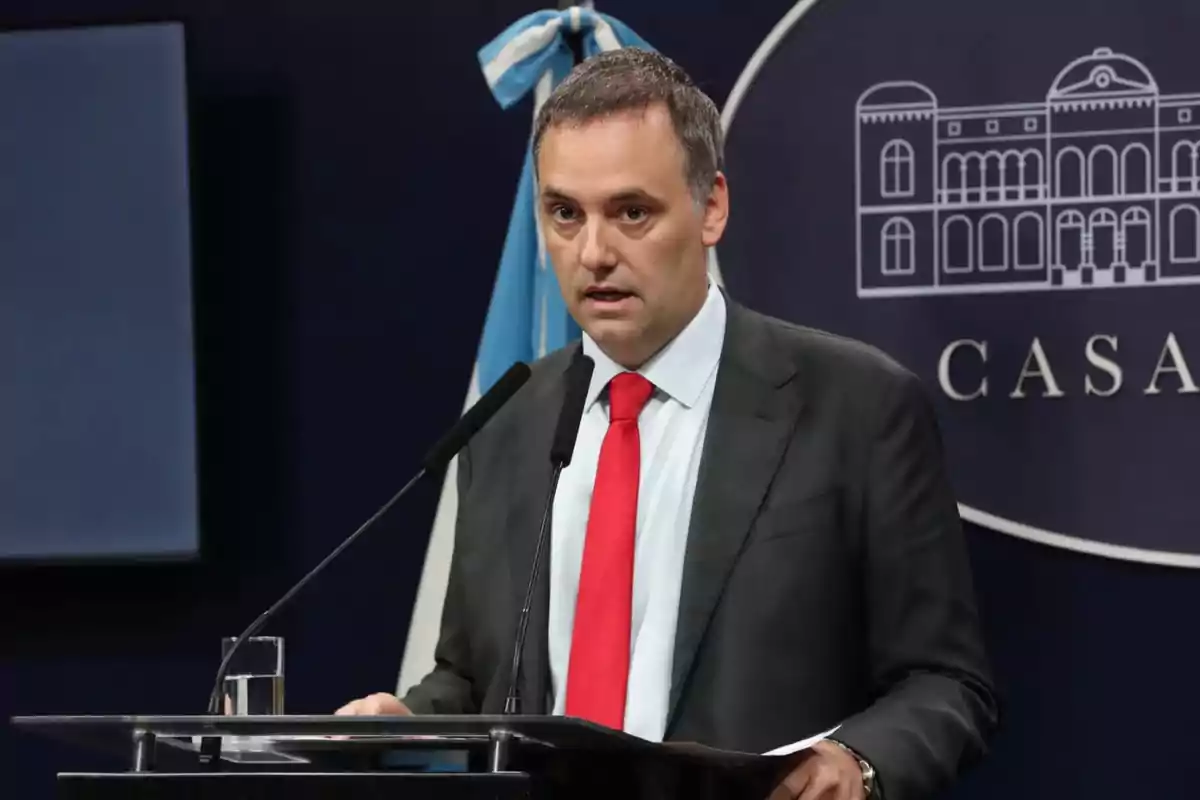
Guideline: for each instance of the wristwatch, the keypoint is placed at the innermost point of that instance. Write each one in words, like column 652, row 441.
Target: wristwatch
column 871, row 789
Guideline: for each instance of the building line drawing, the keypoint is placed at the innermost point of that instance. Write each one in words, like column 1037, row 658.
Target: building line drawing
column 1097, row 186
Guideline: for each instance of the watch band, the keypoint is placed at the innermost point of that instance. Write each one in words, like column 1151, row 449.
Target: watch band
column 870, row 784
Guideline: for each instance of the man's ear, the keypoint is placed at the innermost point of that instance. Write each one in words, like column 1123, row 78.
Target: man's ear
column 716, row 211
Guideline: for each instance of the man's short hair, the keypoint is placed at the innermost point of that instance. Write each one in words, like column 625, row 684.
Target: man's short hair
column 632, row 79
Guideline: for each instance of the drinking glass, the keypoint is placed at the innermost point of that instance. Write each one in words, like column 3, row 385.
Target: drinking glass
column 253, row 682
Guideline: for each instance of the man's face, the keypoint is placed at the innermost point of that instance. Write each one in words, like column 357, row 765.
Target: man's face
column 624, row 232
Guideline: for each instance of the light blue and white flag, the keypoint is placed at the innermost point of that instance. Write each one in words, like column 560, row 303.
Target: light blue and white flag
column 526, row 318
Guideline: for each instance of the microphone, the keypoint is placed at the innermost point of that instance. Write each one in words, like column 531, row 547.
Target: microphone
column 434, row 462
column 578, row 378
column 476, row 417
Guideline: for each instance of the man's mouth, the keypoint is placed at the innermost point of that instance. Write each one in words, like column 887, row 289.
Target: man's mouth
column 607, row 295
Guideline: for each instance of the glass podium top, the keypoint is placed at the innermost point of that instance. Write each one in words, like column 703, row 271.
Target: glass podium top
column 289, row 737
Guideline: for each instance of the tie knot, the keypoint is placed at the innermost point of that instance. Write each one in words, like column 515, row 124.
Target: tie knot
column 627, row 395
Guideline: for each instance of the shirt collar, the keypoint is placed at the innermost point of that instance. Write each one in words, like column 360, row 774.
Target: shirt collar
column 683, row 367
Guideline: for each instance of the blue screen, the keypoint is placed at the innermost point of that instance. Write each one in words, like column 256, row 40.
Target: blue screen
column 97, row 417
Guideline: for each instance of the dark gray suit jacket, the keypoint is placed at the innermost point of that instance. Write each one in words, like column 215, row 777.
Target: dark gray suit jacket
column 826, row 579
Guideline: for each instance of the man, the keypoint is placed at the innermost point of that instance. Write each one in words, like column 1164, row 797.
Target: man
column 756, row 539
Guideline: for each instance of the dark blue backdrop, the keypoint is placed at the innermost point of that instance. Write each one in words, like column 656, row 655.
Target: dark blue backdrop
column 353, row 181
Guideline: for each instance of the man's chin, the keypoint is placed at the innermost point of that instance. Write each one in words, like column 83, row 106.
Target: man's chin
column 622, row 341
column 612, row 332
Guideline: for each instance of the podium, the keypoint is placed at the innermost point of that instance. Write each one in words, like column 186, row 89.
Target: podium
column 416, row 758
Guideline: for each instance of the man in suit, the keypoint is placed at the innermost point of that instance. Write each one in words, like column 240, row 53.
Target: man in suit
column 756, row 539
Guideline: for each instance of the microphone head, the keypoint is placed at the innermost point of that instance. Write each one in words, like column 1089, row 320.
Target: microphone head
column 578, row 379
column 476, row 417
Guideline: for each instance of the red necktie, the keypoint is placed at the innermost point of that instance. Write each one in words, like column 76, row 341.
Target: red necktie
column 599, row 663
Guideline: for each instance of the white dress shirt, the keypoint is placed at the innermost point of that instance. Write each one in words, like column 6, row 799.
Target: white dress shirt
column 672, row 429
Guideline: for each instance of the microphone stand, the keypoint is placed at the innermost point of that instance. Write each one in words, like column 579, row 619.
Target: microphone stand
column 511, row 705
column 578, row 379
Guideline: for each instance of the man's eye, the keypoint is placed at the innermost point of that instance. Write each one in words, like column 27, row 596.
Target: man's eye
column 636, row 213
column 562, row 213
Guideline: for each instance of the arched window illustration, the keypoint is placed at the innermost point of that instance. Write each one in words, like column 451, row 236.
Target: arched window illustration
column 898, row 251
column 954, row 178
column 1135, row 233
column 1102, row 225
column 957, row 245
column 975, row 179
column 1069, row 240
column 1135, row 170
column 1014, row 175
column 1028, row 240
column 896, row 169
column 1185, row 234
column 993, row 176
column 1183, row 162
column 1102, row 171
column 993, row 243
column 1068, row 173
column 1033, row 178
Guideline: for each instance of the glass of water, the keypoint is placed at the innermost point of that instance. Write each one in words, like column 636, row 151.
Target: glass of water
column 253, row 682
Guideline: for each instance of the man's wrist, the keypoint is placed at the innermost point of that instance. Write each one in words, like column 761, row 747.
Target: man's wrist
column 871, row 789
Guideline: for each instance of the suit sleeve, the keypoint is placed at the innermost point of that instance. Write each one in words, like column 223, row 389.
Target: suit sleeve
column 448, row 688
column 935, row 707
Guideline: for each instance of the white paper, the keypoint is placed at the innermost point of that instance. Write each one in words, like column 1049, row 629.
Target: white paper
column 796, row 747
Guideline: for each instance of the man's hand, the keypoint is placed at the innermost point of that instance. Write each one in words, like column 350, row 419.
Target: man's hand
column 829, row 773
column 380, row 704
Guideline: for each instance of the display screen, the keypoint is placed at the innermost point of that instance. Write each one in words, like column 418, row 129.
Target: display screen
column 97, row 405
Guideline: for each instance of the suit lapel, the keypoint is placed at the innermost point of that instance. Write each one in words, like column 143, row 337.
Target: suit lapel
column 750, row 424
column 529, row 482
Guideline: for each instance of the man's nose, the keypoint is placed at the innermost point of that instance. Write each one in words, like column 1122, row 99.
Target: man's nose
column 596, row 253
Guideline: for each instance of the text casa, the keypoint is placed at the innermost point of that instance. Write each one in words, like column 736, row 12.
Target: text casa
column 1104, row 377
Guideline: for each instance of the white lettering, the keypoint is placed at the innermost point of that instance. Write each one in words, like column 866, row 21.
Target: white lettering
column 944, row 370
column 1043, row 371
column 1178, row 365
column 1105, row 364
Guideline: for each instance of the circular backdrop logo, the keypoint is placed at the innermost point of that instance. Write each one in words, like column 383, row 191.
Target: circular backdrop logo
column 1008, row 203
